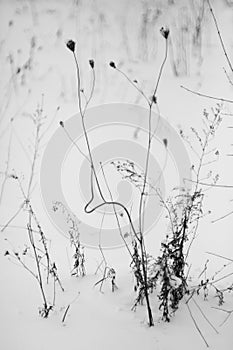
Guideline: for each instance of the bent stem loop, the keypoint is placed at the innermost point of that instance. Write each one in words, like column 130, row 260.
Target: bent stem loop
column 138, row 235
column 93, row 170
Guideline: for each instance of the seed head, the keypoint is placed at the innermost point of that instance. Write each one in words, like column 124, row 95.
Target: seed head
column 70, row 45
column 112, row 64
column 164, row 32
column 92, row 63
column 154, row 99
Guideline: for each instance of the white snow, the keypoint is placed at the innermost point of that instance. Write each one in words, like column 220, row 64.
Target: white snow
column 108, row 30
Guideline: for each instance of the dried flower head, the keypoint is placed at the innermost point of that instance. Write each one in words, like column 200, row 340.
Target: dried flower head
column 154, row 99
column 112, row 64
column 165, row 142
column 61, row 123
column 92, row 63
column 71, row 45
column 165, row 32
column 13, row 176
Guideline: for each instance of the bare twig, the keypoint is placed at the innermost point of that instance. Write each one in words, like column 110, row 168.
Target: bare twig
column 6, row 173
column 209, row 184
column 65, row 313
column 71, row 46
column 207, row 96
column 220, row 36
column 205, row 317
column 115, row 212
column 222, row 217
column 196, row 325
column 12, row 218
column 220, row 256
column 68, row 307
column 40, row 280
column 229, row 312
column 134, row 85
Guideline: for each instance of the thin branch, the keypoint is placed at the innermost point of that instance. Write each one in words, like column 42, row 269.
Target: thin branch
column 40, row 281
column 220, row 256
column 6, row 175
column 74, row 143
column 89, row 211
column 50, row 124
column 161, row 69
column 17, row 257
column 150, row 135
column 206, row 96
column 207, row 320
column 222, row 278
column 68, row 307
column 92, row 91
column 229, row 312
column 114, row 208
column 21, row 144
column 222, row 217
column 12, row 218
column 196, row 325
column 209, row 185
column 134, row 85
column 228, row 77
column 38, row 120
column 220, row 36
column 65, row 313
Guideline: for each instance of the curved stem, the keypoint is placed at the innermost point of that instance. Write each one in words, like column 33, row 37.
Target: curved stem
column 161, row 69
column 114, row 203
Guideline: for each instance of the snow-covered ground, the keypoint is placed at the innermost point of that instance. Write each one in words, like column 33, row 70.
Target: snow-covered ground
column 34, row 61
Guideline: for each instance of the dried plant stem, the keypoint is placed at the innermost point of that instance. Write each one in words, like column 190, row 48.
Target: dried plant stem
column 40, row 231
column 6, row 173
column 209, row 184
column 43, row 241
column 207, row 96
column 12, row 218
column 40, row 280
column 205, row 317
column 16, row 256
column 222, row 278
column 229, row 312
column 222, row 217
column 93, row 170
column 65, row 313
column 138, row 236
column 133, row 84
column 161, row 69
column 220, row 256
column 196, row 325
column 104, row 261
column 220, row 36
column 115, row 212
column 141, row 203
column 34, row 158
column 68, row 307
column 89, row 211
column 75, row 144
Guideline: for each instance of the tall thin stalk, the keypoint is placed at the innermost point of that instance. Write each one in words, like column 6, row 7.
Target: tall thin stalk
column 138, row 235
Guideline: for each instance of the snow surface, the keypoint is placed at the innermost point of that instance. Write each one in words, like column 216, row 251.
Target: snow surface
column 126, row 31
